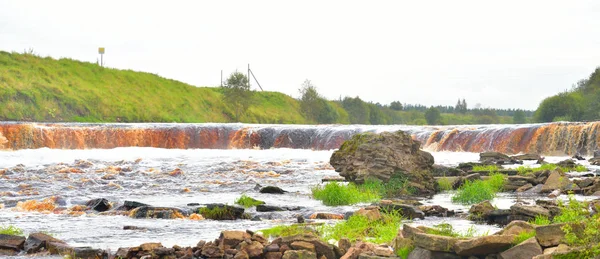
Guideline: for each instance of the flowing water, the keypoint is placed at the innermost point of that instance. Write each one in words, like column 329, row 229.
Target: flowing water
column 113, row 167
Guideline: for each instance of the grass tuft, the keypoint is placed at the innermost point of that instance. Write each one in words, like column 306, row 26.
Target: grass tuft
column 247, row 201
column 335, row 194
column 445, row 229
column 11, row 230
column 444, row 184
column 540, row 220
column 404, row 251
column 477, row 191
column 523, row 236
column 489, row 168
column 359, row 227
column 291, row 230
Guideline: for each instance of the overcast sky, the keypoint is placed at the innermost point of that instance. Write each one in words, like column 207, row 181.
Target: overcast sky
column 501, row 54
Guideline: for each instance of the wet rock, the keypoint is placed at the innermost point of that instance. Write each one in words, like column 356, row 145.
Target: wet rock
column 222, row 212
column 88, row 253
column 59, row 248
column 11, row 242
column 462, row 179
column 585, row 182
column 594, row 161
column 272, row 248
column 37, row 241
column 527, row 157
column 516, row 181
column 157, row 213
column 444, row 171
column 468, row 166
column 524, row 188
column 272, row 190
column 549, row 235
column 409, row 231
column 407, row 211
column 500, row 217
column 525, row 250
column 99, row 205
column 483, row 245
column 420, row 253
column 299, row 254
column 482, row 209
column 578, row 157
column 129, row 205
column 567, row 163
column 322, row 248
column 333, row 179
column 497, row 158
column 385, row 156
column 557, row 181
column 300, row 219
column 436, row 210
column 268, row 208
column 434, row 242
column 273, row 255
column 325, row 215
column 529, row 210
column 344, row 244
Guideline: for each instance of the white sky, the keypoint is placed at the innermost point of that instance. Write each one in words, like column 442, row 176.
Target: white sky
column 502, row 54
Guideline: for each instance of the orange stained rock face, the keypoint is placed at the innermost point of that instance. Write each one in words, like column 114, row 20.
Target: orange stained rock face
column 195, row 216
column 46, row 205
column 176, row 172
column 78, row 208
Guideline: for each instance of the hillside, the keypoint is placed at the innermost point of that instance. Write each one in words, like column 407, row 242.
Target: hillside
column 33, row 88
column 44, row 89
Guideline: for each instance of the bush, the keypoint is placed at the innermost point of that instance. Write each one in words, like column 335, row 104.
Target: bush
column 480, row 190
column 247, row 201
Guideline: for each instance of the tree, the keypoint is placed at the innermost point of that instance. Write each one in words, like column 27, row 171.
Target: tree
column 237, row 94
column 396, row 106
column 519, row 116
column 314, row 107
column 357, row 109
column 433, row 116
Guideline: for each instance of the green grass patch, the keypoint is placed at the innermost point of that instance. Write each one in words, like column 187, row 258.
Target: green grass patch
column 335, row 194
column 445, row 229
column 490, row 168
column 477, row 191
column 404, row 251
column 11, row 230
column 523, row 236
column 540, row 220
column 247, row 201
column 524, row 170
column 444, row 184
column 284, row 231
column 359, row 227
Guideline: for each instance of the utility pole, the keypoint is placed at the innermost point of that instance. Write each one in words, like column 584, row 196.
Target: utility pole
column 248, row 76
column 101, row 52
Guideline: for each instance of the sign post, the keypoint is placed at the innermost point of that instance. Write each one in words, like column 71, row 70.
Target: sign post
column 101, row 52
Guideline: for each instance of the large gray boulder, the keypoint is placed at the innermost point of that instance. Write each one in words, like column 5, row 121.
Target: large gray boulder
column 385, row 156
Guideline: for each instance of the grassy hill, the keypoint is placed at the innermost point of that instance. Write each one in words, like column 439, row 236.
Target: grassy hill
column 44, row 89
column 33, row 88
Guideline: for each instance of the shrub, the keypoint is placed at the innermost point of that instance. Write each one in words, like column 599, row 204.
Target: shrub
column 572, row 211
column 247, row 201
column 11, row 230
column 480, row 190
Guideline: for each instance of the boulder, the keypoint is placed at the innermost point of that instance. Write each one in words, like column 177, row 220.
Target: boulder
column 299, row 254
column 272, row 190
column 558, row 181
column 385, row 156
column 322, row 248
column 232, row 238
column 525, row 250
column 272, row 255
column 527, row 157
column 482, row 209
column 529, row 210
column 483, row 245
column 36, row 241
column 409, row 231
column 407, row 211
column 326, row 215
column 444, row 171
column 129, row 205
column 268, row 208
column 11, row 242
column 594, row 161
column 303, row 245
column 567, row 163
column 88, row 253
column 578, row 157
column 146, row 212
column 436, row 210
column 420, row 253
column 434, row 242
column 218, row 211
column 516, row 227
column 212, row 251
column 462, row 179
column 371, row 213
column 497, row 158
column 254, row 249
column 549, row 235
column 99, row 204
column 524, row 188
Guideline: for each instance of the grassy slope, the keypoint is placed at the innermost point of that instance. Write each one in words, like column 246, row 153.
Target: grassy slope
column 44, row 89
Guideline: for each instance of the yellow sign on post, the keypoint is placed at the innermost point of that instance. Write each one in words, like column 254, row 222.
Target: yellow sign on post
column 100, row 50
